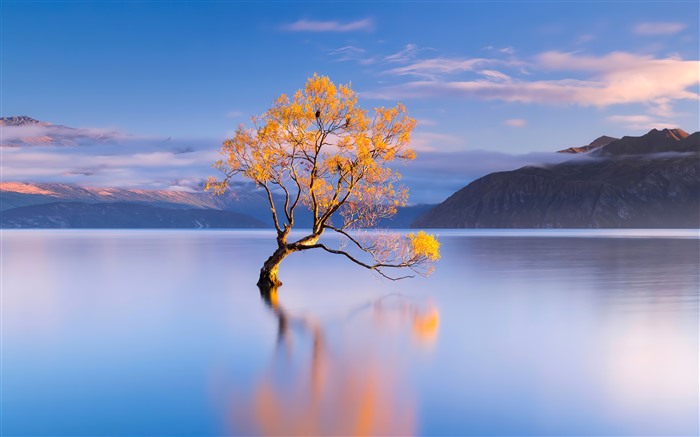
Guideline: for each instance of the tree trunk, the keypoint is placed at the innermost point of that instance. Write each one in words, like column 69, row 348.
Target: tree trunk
column 268, row 273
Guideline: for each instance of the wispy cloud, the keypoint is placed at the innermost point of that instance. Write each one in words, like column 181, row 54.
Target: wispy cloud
column 431, row 141
column 495, row 75
column 515, row 122
column 432, row 68
column 640, row 122
column 504, row 50
column 658, row 28
column 123, row 161
column 361, row 56
column 615, row 78
column 352, row 53
column 407, row 54
column 426, row 122
column 329, row 26
column 584, row 38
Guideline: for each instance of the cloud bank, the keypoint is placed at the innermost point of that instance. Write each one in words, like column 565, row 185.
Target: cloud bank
column 92, row 158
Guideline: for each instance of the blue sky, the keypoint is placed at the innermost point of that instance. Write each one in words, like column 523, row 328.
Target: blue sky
column 507, row 80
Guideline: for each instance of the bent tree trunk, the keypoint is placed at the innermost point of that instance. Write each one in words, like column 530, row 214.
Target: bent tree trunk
column 268, row 273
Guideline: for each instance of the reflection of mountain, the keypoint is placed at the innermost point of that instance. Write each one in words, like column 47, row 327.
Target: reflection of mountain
column 651, row 181
column 642, row 271
column 329, row 388
column 121, row 215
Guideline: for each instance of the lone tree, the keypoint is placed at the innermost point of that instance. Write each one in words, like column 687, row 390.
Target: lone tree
column 322, row 151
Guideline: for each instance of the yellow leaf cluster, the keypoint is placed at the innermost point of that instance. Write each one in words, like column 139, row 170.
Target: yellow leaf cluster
column 424, row 245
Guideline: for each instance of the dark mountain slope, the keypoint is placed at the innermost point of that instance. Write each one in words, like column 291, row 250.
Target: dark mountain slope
column 638, row 191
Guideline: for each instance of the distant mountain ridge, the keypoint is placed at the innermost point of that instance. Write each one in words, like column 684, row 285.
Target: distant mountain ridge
column 22, row 120
column 595, row 144
column 121, row 215
column 61, row 191
column 655, row 141
column 242, row 199
column 652, row 181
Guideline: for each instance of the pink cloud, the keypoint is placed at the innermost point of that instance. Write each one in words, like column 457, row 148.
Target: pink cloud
column 515, row 122
column 495, row 75
column 431, row 141
column 640, row 122
column 616, row 78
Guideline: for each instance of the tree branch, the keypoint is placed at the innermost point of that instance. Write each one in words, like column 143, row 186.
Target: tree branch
column 295, row 178
column 376, row 267
column 272, row 207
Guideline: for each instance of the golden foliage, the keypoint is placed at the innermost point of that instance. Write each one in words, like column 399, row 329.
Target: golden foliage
column 320, row 149
column 424, row 245
column 326, row 152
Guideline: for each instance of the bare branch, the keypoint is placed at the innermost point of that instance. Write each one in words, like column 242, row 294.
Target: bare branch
column 272, row 208
column 375, row 267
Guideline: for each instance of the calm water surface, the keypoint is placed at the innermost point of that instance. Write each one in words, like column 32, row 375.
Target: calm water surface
column 163, row 333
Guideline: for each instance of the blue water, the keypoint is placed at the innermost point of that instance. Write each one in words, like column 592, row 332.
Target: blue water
column 163, row 333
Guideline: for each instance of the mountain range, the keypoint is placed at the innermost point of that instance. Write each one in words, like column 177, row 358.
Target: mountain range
column 22, row 203
column 652, row 181
column 49, row 204
column 631, row 182
column 121, row 215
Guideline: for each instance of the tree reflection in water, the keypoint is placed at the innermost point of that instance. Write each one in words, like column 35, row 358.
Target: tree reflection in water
column 337, row 389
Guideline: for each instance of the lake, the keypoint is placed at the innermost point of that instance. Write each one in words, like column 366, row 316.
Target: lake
column 164, row 333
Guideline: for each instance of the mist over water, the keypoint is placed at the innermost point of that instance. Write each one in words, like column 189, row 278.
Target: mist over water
column 516, row 333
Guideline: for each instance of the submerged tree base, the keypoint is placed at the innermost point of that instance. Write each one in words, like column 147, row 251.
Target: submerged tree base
column 266, row 283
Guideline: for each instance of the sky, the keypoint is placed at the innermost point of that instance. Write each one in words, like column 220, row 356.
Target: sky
column 493, row 85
